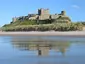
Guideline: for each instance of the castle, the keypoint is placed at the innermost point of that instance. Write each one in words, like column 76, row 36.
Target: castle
column 43, row 14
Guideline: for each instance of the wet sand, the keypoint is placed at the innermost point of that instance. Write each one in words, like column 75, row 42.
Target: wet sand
column 47, row 33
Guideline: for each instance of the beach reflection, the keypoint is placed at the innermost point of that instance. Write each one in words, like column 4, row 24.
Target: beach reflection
column 42, row 50
column 42, row 46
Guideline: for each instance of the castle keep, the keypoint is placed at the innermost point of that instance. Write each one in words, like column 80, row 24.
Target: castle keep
column 43, row 14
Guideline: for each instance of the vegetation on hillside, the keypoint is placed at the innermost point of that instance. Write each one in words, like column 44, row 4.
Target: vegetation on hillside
column 25, row 22
column 83, row 23
column 45, row 27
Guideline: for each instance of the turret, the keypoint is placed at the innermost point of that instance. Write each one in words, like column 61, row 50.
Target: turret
column 63, row 13
column 14, row 19
column 43, row 11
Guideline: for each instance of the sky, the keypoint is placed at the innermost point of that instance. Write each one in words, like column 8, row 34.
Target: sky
column 14, row 8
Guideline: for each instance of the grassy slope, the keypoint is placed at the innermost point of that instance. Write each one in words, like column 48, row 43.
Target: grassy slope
column 31, row 25
column 25, row 22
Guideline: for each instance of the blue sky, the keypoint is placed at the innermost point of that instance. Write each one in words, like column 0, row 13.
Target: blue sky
column 11, row 8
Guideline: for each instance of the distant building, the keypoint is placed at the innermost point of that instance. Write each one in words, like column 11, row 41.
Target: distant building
column 43, row 14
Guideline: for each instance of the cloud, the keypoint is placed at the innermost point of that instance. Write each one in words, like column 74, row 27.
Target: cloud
column 75, row 6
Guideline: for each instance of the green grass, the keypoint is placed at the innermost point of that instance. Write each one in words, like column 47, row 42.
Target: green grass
column 25, row 22
column 45, row 27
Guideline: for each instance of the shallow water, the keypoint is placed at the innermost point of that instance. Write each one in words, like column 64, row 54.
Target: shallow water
column 42, row 50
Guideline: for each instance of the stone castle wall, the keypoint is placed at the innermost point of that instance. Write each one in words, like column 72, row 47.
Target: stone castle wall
column 43, row 14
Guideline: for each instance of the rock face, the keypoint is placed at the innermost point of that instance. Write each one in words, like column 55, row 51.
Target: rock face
column 43, row 14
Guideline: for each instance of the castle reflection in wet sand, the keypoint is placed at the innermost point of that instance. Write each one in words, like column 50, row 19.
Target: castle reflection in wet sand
column 42, row 46
column 42, row 50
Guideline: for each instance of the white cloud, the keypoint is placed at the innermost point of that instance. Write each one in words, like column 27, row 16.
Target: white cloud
column 75, row 6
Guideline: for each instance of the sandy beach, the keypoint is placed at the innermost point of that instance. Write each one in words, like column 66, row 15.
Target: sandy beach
column 48, row 33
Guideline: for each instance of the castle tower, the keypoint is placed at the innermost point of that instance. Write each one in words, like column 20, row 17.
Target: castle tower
column 43, row 11
column 63, row 13
column 14, row 19
column 43, row 14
